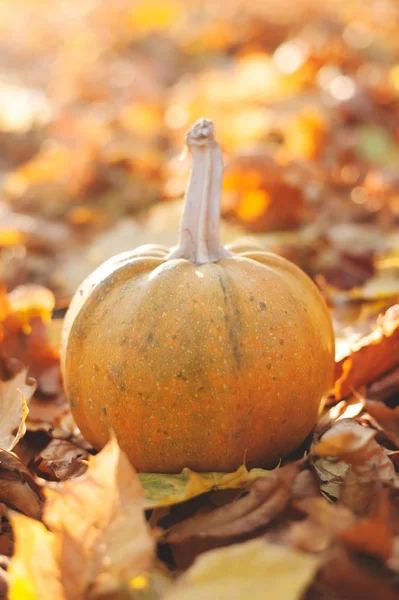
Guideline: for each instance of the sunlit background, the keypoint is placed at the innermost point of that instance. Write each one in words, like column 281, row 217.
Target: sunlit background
column 95, row 98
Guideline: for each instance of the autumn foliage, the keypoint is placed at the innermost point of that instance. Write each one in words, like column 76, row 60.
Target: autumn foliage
column 95, row 99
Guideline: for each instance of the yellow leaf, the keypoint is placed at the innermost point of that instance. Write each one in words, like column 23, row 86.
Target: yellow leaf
column 165, row 490
column 33, row 572
column 255, row 570
column 14, row 394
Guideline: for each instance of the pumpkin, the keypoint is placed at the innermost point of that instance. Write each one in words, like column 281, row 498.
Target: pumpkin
column 200, row 356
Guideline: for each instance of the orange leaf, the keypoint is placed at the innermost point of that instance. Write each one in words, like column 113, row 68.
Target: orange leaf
column 371, row 356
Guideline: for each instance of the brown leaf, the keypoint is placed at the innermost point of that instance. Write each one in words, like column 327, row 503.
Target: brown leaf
column 368, row 462
column 371, row 356
column 384, row 387
column 342, row 577
column 6, row 537
column 387, row 418
column 373, row 535
column 242, row 519
column 17, row 487
column 61, row 460
column 318, row 531
column 46, row 414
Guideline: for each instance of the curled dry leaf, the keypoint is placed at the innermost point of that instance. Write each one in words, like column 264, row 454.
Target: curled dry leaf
column 14, row 395
column 17, row 487
column 386, row 386
column 165, row 490
column 242, row 519
column 386, row 417
column 318, row 531
column 61, row 460
column 375, row 534
column 369, row 465
column 254, row 569
column 371, row 356
column 331, row 473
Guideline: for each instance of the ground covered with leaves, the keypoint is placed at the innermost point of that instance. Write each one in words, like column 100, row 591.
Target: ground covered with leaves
column 95, row 99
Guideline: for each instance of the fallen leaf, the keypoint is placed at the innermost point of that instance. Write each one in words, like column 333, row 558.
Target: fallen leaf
column 254, row 569
column 372, row 356
column 387, row 418
column 318, row 532
column 369, row 465
column 331, row 473
column 47, row 414
column 165, row 490
column 98, row 520
column 243, row 518
column 30, row 578
column 343, row 576
column 375, row 534
column 18, row 489
column 61, row 460
column 386, row 386
column 14, row 395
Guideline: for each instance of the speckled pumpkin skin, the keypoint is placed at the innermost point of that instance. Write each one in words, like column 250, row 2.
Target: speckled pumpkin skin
column 204, row 366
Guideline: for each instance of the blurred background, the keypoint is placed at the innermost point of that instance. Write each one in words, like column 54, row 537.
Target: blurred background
column 95, row 99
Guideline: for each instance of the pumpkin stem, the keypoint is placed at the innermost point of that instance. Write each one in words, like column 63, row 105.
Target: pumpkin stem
column 199, row 231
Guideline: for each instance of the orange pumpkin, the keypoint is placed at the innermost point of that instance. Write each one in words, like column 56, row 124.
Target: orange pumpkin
column 204, row 356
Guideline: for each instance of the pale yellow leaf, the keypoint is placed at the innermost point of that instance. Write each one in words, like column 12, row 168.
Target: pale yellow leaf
column 255, row 569
column 14, row 395
column 33, row 572
column 165, row 490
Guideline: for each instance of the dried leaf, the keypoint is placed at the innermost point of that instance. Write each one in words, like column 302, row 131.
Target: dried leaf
column 17, row 487
column 165, row 490
column 342, row 576
column 98, row 520
column 386, row 386
column 368, row 462
column 319, row 530
column 61, row 460
column 33, row 572
column 14, row 395
column 254, row 569
column 372, row 356
column 240, row 520
column 331, row 473
column 387, row 418
column 373, row 535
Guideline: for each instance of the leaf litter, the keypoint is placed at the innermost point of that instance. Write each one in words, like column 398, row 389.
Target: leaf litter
column 305, row 102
